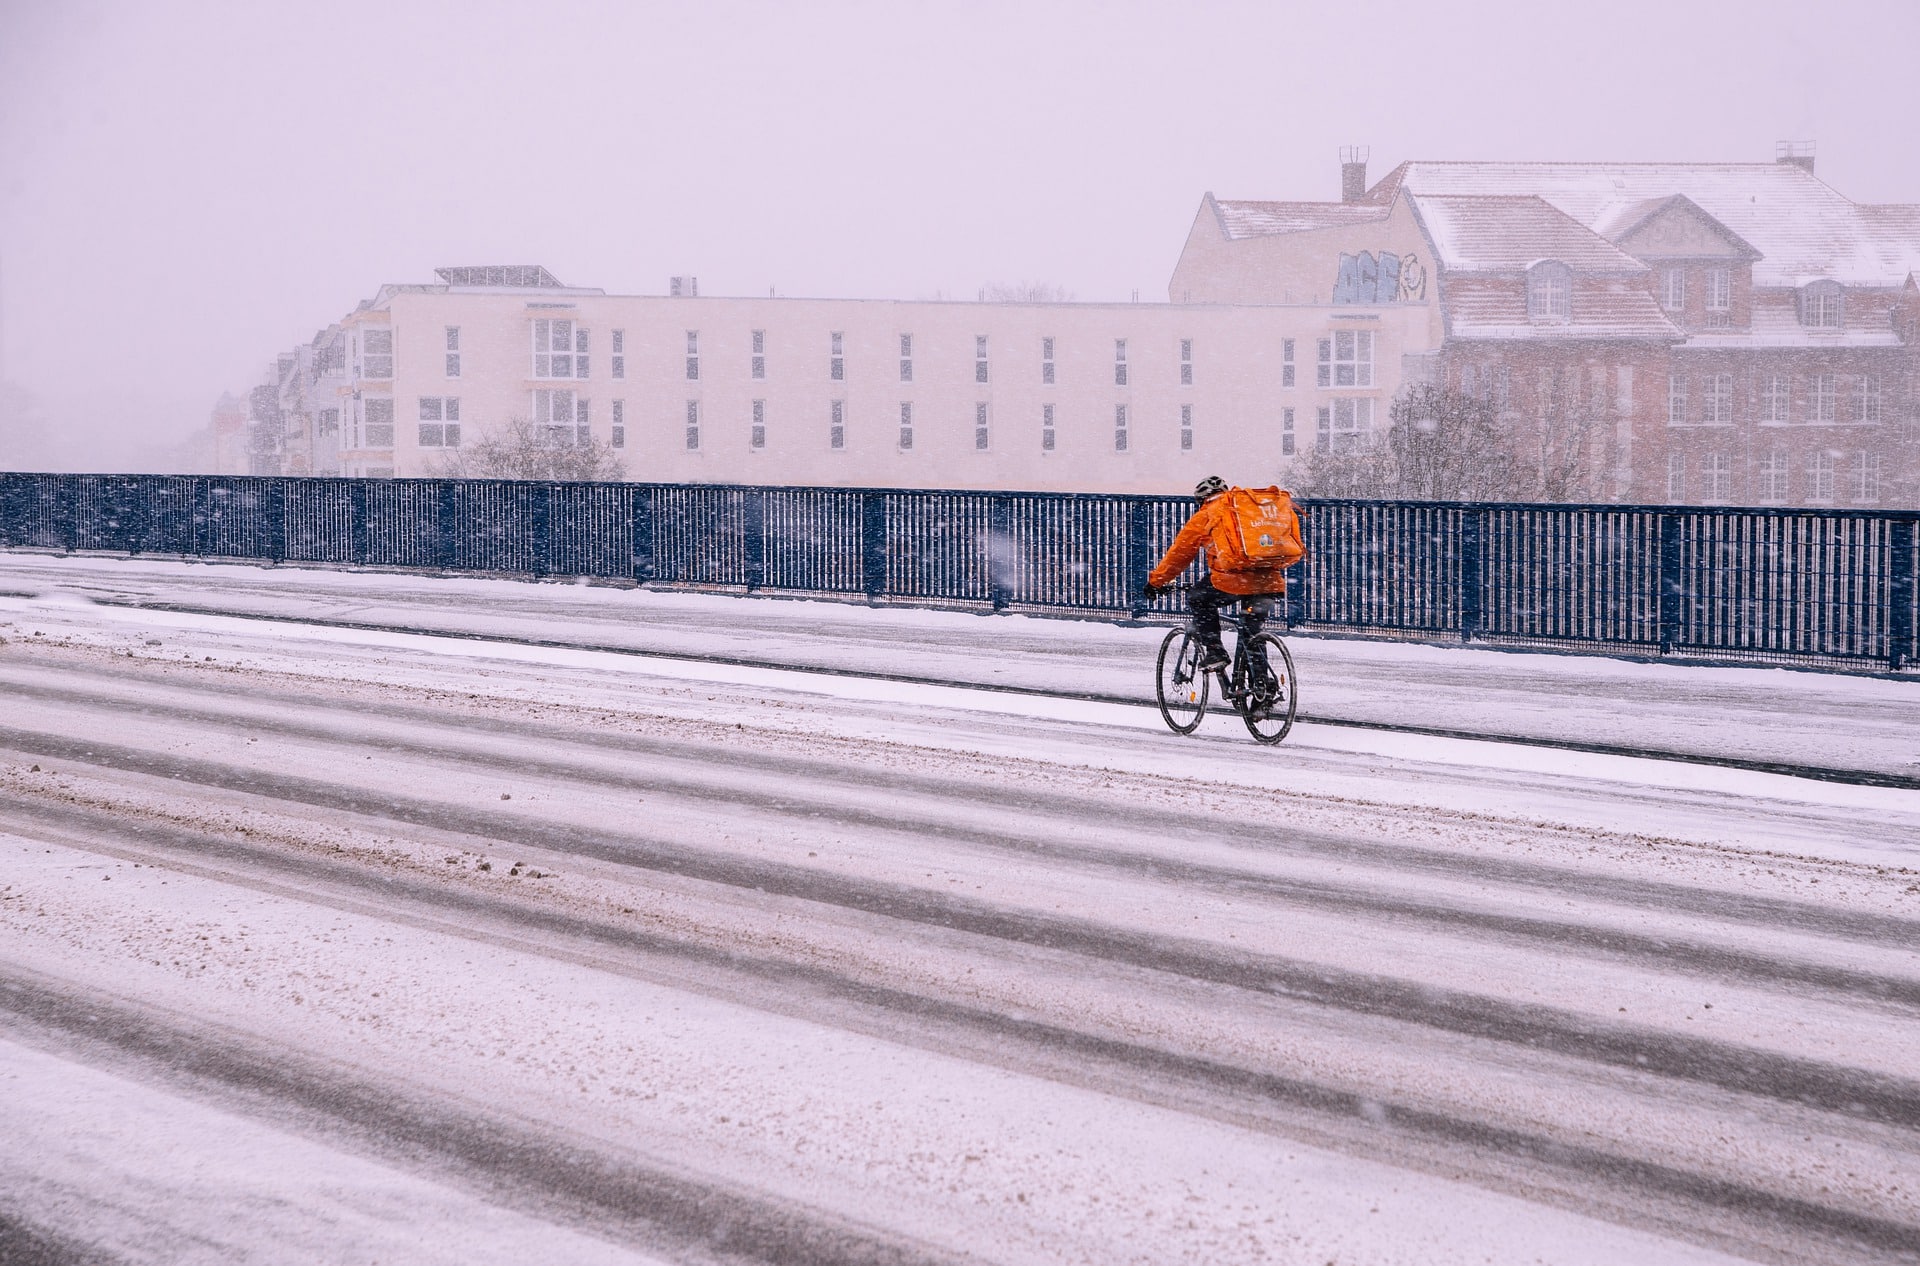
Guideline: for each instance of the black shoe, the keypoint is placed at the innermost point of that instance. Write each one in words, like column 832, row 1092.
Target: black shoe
column 1215, row 659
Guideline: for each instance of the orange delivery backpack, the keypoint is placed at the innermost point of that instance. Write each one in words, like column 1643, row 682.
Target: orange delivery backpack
column 1262, row 532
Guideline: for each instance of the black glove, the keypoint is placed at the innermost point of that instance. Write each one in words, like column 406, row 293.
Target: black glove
column 1156, row 591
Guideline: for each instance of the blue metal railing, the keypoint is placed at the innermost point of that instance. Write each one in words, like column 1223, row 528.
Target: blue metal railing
column 1835, row 588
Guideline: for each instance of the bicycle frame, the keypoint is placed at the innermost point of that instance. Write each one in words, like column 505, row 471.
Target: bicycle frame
column 1262, row 691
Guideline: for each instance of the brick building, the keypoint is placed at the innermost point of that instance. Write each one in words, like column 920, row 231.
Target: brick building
column 1704, row 333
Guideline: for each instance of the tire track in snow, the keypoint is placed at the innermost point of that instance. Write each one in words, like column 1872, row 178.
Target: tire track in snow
column 656, row 1200
column 794, row 774
column 1856, row 1093
column 23, row 1243
column 1144, row 1071
column 1665, row 952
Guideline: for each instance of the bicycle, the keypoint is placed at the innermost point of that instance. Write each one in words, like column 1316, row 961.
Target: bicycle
column 1258, row 683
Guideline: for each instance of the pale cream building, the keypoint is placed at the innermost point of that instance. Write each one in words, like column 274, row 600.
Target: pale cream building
column 1138, row 397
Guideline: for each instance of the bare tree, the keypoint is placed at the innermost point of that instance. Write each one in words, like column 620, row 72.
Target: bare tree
column 1449, row 446
column 1024, row 292
column 1577, row 434
column 1441, row 445
column 1446, row 445
column 1361, row 471
column 522, row 450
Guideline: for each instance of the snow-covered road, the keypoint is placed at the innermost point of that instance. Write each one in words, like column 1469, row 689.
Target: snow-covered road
column 335, row 944
column 1761, row 715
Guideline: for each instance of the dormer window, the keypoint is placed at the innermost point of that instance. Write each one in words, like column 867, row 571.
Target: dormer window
column 1820, row 305
column 1549, row 292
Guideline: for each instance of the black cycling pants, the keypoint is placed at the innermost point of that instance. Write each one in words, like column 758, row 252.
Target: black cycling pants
column 1206, row 603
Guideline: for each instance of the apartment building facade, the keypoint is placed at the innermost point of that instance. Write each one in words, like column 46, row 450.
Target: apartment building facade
column 1049, row 396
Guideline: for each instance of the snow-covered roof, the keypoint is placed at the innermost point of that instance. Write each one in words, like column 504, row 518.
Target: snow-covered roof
column 1780, row 326
column 1802, row 227
column 1897, row 228
column 1490, row 312
column 384, row 297
column 1635, row 216
column 1512, row 233
column 1243, row 219
column 529, row 275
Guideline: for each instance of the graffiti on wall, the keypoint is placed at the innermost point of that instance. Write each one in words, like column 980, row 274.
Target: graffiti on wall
column 1389, row 278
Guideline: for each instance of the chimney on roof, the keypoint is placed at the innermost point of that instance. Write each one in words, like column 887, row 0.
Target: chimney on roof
column 1353, row 173
column 1794, row 154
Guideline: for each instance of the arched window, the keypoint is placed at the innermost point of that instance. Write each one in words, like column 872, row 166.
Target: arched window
column 1549, row 291
column 1820, row 304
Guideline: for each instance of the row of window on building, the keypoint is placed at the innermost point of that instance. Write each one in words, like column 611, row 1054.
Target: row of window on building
column 1821, row 399
column 563, row 419
column 1719, row 296
column 1340, row 426
column 562, row 349
column 1713, row 476
column 1550, row 296
column 1710, row 399
column 1123, row 429
column 553, row 335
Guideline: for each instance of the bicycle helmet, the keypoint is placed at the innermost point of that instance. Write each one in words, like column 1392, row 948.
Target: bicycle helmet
column 1208, row 488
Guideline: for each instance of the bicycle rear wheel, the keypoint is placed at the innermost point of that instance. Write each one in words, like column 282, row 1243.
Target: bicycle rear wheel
column 1178, row 682
column 1268, row 710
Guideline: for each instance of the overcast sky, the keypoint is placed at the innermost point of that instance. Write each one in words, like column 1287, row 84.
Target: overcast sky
column 187, row 189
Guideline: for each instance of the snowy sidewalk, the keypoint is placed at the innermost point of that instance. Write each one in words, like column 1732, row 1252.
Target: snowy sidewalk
column 1754, row 714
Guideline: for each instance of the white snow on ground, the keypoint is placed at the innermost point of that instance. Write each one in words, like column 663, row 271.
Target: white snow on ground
column 188, row 1183
column 961, row 1144
column 776, row 1101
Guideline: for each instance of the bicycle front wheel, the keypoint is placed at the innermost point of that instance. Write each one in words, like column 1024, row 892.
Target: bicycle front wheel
column 1179, row 683
column 1271, row 699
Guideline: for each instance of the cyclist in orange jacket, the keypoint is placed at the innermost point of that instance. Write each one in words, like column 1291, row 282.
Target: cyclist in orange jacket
column 1219, row 588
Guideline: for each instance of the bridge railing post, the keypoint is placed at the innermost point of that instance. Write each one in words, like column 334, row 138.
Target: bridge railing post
column 541, row 506
column 1672, row 586
column 1472, row 570
column 1000, row 554
column 642, row 547
column 1900, row 593
column 200, row 512
column 362, row 543
column 446, row 545
column 1137, row 558
column 753, row 527
column 276, row 516
column 873, row 544
column 12, row 529
column 70, row 512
